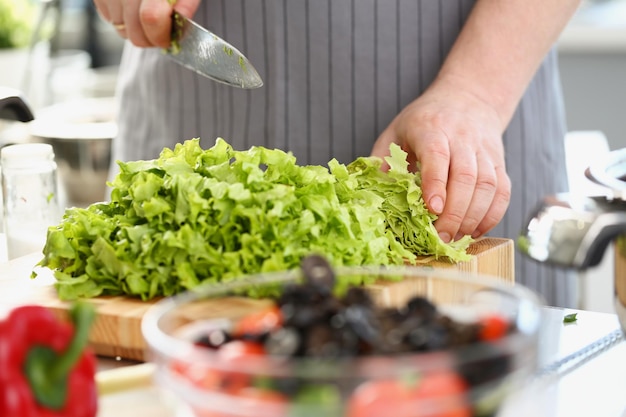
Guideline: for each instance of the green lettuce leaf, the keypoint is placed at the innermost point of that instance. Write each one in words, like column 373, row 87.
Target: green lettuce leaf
column 194, row 216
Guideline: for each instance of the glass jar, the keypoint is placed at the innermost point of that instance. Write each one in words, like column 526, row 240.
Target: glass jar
column 30, row 197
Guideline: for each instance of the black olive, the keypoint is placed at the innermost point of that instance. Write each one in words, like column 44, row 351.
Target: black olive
column 422, row 307
column 418, row 338
column 324, row 341
column 318, row 271
column 437, row 337
column 358, row 296
column 300, row 316
column 304, row 305
column 364, row 324
column 321, row 342
column 496, row 364
column 318, row 324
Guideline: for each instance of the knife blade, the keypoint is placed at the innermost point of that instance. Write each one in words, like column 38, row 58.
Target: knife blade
column 202, row 51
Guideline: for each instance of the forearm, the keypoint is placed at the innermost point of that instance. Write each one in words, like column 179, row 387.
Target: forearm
column 501, row 46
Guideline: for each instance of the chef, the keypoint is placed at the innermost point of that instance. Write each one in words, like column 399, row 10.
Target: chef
column 469, row 88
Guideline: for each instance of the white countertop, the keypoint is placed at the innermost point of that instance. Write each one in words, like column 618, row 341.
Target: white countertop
column 591, row 387
column 594, row 387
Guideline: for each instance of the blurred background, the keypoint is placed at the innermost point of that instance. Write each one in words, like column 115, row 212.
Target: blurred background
column 84, row 54
column 64, row 59
column 57, row 50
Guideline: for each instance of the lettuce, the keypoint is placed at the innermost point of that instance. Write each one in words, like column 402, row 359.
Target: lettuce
column 194, row 216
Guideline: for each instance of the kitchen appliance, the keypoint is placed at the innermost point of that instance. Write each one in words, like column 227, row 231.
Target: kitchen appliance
column 13, row 106
column 574, row 231
column 81, row 132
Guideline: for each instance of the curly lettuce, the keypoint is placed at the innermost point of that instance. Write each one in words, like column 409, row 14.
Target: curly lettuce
column 194, row 216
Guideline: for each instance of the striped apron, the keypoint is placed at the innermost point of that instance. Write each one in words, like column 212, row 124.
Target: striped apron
column 336, row 72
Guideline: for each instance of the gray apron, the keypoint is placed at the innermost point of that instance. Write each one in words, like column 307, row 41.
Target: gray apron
column 336, row 72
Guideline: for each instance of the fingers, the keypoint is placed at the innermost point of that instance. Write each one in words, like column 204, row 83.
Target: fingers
column 478, row 197
column 465, row 184
column 155, row 19
column 103, row 8
column 484, row 192
column 112, row 11
column 499, row 204
column 461, row 184
column 134, row 28
column 457, row 141
column 481, row 200
column 434, row 158
column 146, row 23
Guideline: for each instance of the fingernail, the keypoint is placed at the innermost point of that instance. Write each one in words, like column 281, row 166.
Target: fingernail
column 459, row 236
column 444, row 236
column 436, row 204
column 476, row 234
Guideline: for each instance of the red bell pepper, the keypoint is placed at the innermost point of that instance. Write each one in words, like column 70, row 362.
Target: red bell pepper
column 46, row 368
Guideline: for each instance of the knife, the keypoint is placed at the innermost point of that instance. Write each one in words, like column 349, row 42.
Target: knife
column 202, row 51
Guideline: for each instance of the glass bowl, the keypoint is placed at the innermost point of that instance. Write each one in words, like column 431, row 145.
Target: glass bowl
column 470, row 379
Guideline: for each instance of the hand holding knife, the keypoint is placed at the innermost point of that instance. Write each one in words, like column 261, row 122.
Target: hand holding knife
column 146, row 23
column 202, row 51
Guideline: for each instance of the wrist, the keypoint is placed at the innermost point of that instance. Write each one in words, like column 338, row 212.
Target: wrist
column 496, row 106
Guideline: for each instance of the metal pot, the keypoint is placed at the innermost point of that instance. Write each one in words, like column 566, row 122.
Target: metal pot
column 13, row 106
column 574, row 231
column 81, row 134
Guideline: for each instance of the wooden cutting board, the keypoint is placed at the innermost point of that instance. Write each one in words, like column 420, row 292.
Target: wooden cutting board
column 117, row 329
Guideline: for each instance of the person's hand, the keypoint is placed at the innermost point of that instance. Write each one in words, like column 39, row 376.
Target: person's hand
column 146, row 23
column 456, row 139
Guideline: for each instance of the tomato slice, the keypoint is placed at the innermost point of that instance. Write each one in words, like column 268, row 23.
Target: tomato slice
column 493, row 327
column 446, row 392
column 259, row 322
column 234, row 355
column 439, row 394
column 377, row 398
column 204, row 377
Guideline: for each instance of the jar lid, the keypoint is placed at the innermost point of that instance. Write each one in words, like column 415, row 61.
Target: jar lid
column 26, row 154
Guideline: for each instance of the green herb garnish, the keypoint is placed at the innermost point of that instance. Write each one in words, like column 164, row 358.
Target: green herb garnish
column 570, row 318
column 176, row 33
